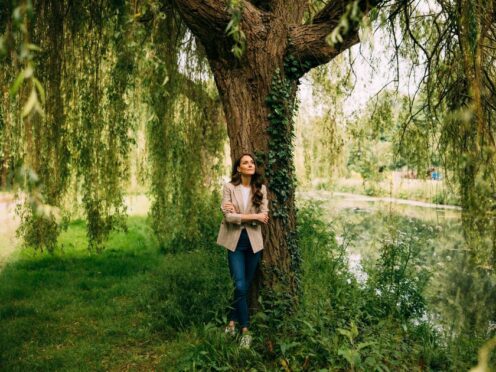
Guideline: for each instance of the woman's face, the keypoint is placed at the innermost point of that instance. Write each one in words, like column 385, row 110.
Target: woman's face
column 246, row 166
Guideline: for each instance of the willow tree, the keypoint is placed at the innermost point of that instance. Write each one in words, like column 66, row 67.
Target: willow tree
column 256, row 71
column 256, row 66
column 454, row 43
column 99, row 88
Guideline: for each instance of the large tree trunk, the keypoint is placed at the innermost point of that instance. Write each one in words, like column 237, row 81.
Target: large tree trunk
column 243, row 90
column 244, row 85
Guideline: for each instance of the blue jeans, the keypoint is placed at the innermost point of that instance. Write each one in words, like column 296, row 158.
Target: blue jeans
column 242, row 265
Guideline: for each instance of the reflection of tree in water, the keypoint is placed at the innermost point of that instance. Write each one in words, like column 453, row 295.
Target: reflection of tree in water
column 464, row 298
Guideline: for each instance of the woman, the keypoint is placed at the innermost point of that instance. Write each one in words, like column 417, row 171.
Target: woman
column 245, row 208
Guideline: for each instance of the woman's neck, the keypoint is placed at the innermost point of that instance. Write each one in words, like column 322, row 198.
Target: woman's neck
column 245, row 180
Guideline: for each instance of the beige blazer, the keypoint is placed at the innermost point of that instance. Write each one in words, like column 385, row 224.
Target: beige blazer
column 230, row 228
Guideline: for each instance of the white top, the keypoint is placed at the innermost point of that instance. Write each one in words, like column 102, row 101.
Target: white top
column 246, row 194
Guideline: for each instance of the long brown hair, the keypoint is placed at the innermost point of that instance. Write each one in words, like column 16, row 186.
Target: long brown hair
column 256, row 180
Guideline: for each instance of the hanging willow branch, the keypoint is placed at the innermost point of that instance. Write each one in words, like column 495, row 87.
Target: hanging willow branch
column 185, row 135
column 455, row 43
column 91, row 63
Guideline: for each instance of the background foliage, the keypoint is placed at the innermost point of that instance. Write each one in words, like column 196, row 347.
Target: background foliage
column 109, row 73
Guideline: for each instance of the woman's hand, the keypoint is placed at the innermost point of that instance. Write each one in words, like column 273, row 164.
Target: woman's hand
column 262, row 217
column 229, row 207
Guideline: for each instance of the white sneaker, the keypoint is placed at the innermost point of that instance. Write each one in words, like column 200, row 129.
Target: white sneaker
column 246, row 340
column 231, row 331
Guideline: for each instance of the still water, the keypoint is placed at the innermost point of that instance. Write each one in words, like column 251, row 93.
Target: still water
column 460, row 295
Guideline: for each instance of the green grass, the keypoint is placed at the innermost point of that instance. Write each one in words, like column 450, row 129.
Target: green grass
column 79, row 311
column 134, row 308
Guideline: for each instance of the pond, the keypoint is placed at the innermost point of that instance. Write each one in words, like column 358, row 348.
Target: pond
column 460, row 295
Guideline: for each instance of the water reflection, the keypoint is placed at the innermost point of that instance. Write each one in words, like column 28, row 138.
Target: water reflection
column 461, row 296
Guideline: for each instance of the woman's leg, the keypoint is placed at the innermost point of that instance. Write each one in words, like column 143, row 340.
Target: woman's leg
column 237, row 270
column 237, row 267
column 251, row 262
column 240, row 305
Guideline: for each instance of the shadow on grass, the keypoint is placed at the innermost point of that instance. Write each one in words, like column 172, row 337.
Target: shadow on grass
column 114, row 310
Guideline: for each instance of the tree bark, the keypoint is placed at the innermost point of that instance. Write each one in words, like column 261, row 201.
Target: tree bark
column 243, row 90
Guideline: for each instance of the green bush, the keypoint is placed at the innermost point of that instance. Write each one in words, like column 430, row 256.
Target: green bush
column 396, row 283
column 196, row 230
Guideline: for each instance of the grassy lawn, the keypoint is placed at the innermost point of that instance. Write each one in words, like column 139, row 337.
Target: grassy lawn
column 112, row 311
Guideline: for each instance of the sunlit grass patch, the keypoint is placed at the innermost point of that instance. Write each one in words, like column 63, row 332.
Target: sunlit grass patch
column 393, row 185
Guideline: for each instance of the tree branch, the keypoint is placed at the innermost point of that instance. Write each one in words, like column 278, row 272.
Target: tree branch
column 196, row 92
column 309, row 43
column 332, row 12
column 204, row 16
column 208, row 20
column 193, row 90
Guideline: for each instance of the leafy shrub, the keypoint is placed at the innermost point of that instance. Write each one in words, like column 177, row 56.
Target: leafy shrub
column 40, row 230
column 197, row 229
column 396, row 283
